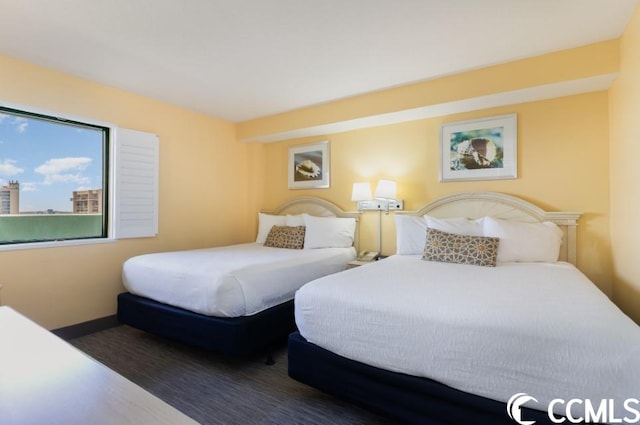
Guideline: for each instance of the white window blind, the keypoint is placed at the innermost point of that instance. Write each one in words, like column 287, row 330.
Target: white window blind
column 136, row 156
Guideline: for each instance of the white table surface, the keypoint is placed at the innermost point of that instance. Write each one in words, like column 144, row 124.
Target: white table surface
column 45, row 380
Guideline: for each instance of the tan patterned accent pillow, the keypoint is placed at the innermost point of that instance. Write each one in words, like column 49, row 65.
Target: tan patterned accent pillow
column 291, row 237
column 460, row 249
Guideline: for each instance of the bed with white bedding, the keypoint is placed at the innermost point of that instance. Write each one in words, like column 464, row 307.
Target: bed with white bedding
column 238, row 299
column 433, row 341
column 230, row 281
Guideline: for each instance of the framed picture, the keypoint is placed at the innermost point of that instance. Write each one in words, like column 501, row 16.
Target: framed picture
column 309, row 166
column 482, row 149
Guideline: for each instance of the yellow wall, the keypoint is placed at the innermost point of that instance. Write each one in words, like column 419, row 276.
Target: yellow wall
column 563, row 146
column 199, row 157
column 625, row 172
column 562, row 165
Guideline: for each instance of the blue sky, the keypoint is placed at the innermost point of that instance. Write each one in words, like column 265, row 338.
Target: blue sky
column 49, row 160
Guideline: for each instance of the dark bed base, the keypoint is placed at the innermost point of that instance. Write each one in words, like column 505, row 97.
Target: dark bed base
column 236, row 336
column 407, row 399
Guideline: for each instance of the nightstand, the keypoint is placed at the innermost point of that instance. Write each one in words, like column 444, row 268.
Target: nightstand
column 358, row 263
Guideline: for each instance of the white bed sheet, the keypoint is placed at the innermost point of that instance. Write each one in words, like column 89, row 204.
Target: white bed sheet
column 540, row 329
column 230, row 281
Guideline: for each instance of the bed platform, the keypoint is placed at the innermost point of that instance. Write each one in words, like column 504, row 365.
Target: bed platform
column 405, row 398
column 236, row 336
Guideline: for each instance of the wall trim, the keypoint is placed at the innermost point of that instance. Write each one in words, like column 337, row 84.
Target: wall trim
column 86, row 328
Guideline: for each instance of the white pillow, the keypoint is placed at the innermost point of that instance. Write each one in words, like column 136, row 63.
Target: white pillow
column 266, row 222
column 525, row 242
column 411, row 234
column 456, row 225
column 328, row 232
column 295, row 220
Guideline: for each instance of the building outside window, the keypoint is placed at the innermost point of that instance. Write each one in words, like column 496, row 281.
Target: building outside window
column 87, row 201
column 10, row 198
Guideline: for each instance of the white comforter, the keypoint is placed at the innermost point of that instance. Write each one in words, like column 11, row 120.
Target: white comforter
column 540, row 329
column 230, row 281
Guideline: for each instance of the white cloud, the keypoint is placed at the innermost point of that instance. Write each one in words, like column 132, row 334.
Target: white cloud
column 28, row 187
column 21, row 124
column 64, row 170
column 59, row 165
column 66, row 178
column 8, row 167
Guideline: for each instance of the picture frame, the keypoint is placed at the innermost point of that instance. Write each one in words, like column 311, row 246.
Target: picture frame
column 480, row 149
column 309, row 166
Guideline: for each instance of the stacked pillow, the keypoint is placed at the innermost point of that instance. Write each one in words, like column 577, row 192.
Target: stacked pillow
column 525, row 242
column 305, row 231
column 328, row 232
column 266, row 222
column 411, row 231
column 485, row 241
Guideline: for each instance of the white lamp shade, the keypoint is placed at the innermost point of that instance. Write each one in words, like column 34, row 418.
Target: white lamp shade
column 386, row 189
column 361, row 192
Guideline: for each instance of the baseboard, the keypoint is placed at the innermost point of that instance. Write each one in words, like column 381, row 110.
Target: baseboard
column 85, row 328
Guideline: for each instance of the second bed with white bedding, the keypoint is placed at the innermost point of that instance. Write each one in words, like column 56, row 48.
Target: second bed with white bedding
column 539, row 328
column 230, row 281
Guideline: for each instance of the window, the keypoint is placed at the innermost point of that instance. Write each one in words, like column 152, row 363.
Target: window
column 54, row 176
column 66, row 180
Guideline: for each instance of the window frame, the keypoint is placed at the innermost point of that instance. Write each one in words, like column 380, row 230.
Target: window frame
column 114, row 140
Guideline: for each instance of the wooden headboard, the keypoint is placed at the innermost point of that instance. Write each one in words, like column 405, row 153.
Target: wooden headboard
column 474, row 205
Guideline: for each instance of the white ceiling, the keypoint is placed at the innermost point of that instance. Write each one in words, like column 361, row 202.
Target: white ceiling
column 243, row 59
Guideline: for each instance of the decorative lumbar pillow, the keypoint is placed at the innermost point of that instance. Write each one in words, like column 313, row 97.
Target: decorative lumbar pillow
column 265, row 222
column 525, row 242
column 291, row 237
column 328, row 232
column 460, row 249
column 410, row 234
